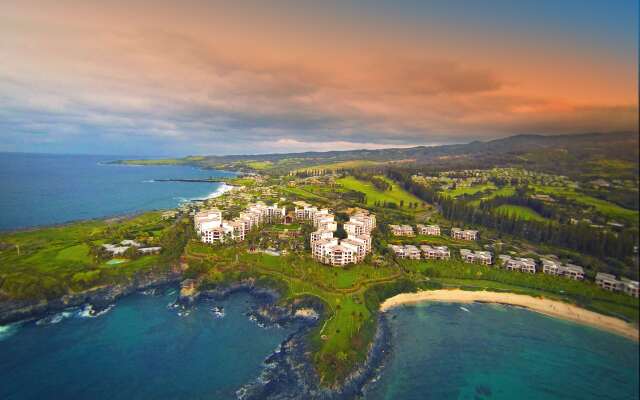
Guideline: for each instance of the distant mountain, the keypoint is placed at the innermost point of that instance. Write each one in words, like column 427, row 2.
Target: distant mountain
column 547, row 152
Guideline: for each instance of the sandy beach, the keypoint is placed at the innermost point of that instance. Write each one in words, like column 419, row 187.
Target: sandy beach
column 548, row 307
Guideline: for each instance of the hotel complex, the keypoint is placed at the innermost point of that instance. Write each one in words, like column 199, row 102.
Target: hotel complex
column 327, row 249
column 212, row 228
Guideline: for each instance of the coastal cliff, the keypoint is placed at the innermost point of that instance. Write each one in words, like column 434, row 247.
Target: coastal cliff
column 99, row 297
column 289, row 372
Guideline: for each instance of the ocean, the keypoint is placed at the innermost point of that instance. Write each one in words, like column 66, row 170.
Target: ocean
column 140, row 349
column 483, row 351
column 144, row 350
column 45, row 189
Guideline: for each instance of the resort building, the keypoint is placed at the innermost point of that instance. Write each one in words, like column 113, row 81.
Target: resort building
column 121, row 248
column 320, row 235
column 520, row 264
column 412, row 252
column 115, row 250
column 398, row 250
column 550, row 267
column 329, row 250
column 476, row 257
column 435, row 252
column 608, row 282
column 632, row 288
column 431, row 230
column 304, row 211
column 554, row 267
column 464, row 234
column 339, row 255
column 366, row 219
column 571, row 271
column 321, row 214
column 211, row 228
column 354, row 227
column 150, row 250
column 401, row 230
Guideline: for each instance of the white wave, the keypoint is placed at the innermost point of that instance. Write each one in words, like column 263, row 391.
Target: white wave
column 222, row 189
column 89, row 312
column 464, row 309
column 149, row 181
column 55, row 319
column 6, row 331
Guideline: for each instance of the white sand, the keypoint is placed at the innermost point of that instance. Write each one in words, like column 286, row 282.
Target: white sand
column 552, row 308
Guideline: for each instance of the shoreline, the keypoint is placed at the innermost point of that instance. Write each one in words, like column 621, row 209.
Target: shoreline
column 551, row 308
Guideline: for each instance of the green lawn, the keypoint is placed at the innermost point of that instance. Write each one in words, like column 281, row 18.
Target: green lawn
column 341, row 165
column 604, row 207
column 459, row 191
column 395, row 195
column 520, row 212
column 49, row 262
column 259, row 165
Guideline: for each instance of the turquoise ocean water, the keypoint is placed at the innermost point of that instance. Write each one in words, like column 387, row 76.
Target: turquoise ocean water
column 142, row 350
column 43, row 189
column 138, row 350
column 481, row 351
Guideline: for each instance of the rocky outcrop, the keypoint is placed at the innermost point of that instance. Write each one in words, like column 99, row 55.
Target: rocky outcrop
column 99, row 298
column 289, row 372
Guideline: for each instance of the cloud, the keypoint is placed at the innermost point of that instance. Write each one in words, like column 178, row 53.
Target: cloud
column 141, row 89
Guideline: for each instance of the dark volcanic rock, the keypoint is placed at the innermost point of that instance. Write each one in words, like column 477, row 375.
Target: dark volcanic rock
column 289, row 373
column 99, row 298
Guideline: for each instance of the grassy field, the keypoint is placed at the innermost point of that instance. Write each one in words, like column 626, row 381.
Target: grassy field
column 505, row 191
column 520, row 212
column 460, row 191
column 604, row 207
column 395, row 195
column 52, row 261
column 259, row 165
column 341, row 165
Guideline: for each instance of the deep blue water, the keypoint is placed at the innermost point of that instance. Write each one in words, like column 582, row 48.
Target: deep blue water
column 498, row 352
column 43, row 189
column 138, row 350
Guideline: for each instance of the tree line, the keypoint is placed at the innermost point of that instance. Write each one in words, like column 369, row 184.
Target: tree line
column 580, row 236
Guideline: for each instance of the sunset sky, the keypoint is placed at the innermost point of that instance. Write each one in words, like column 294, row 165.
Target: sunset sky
column 207, row 77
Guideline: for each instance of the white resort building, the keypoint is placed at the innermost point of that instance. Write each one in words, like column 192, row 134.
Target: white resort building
column 520, row 264
column 329, row 250
column 610, row 283
column 555, row 267
column 464, row 234
column 476, row 257
column 435, row 252
column 304, row 211
column 401, row 230
column 431, row 230
column 211, row 228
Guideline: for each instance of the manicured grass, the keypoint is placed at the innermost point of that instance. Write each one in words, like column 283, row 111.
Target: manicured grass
column 395, row 195
column 79, row 252
column 259, row 165
column 606, row 208
column 49, row 262
column 341, row 165
column 459, row 191
column 520, row 212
